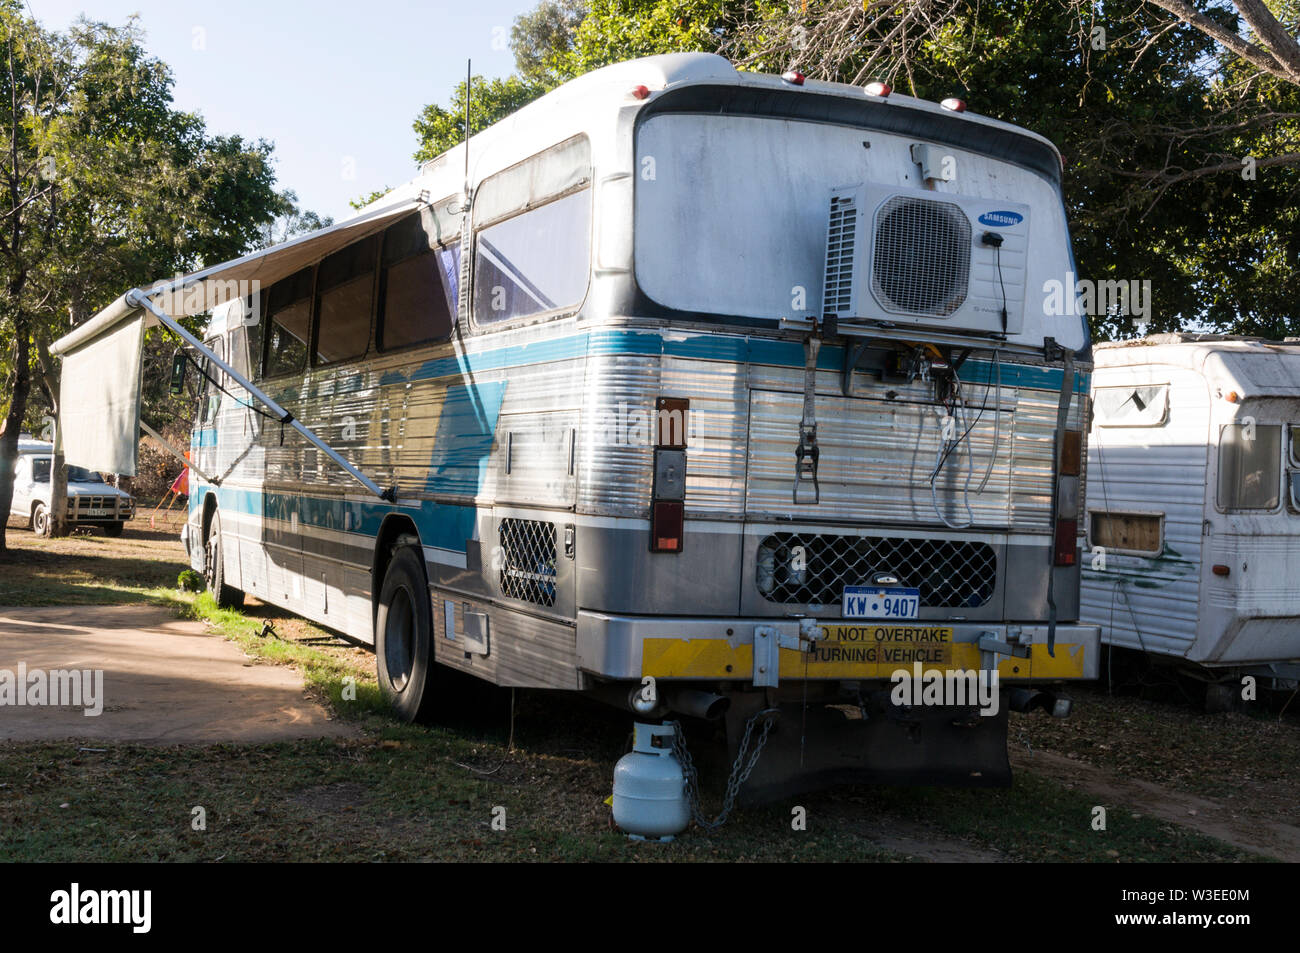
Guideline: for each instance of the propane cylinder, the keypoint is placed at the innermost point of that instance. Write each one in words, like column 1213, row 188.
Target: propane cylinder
column 649, row 787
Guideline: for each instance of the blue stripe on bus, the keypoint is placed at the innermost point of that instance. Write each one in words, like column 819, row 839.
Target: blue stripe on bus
column 463, row 442
column 443, row 525
column 204, row 438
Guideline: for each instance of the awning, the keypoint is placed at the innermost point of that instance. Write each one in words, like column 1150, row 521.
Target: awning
column 99, row 390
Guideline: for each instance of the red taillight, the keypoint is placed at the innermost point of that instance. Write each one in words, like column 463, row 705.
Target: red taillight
column 879, row 89
column 1067, row 539
column 954, row 104
column 793, row 77
column 666, row 523
column 640, row 92
column 1070, row 461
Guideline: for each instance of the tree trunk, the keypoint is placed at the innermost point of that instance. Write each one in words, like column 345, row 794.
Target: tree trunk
column 21, row 382
column 49, row 381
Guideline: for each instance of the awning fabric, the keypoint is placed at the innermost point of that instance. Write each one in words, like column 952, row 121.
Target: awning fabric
column 99, row 391
column 99, row 418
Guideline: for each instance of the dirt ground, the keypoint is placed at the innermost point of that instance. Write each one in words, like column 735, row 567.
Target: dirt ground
column 165, row 680
column 1231, row 777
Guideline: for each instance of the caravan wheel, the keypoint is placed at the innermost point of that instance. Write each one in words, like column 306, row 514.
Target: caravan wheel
column 404, row 636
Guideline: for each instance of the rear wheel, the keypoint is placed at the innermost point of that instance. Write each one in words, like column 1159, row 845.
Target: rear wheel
column 40, row 520
column 214, row 568
column 404, row 637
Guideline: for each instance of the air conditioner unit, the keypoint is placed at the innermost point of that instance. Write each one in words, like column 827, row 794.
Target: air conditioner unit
column 917, row 257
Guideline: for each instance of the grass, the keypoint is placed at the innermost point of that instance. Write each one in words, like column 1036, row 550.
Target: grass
column 412, row 792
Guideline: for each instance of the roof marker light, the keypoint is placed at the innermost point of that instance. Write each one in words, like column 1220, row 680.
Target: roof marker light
column 793, row 77
column 640, row 92
column 879, row 89
column 953, row 104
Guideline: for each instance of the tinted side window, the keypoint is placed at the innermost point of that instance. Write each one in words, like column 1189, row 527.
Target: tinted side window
column 535, row 262
column 288, row 323
column 421, row 270
column 532, row 254
column 345, row 287
column 215, row 376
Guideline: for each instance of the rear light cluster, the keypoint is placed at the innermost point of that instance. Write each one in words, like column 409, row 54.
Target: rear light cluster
column 668, row 502
column 1069, row 465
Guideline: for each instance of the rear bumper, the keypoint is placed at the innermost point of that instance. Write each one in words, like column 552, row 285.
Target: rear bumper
column 633, row 647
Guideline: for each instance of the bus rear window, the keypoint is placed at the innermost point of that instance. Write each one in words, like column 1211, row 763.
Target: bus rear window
column 1250, row 466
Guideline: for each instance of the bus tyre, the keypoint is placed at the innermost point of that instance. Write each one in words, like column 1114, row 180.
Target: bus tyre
column 404, row 637
column 214, row 569
column 40, row 520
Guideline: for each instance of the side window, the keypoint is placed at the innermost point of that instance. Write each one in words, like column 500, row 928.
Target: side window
column 345, row 292
column 1293, row 473
column 1133, row 534
column 421, row 268
column 211, row 393
column 1250, row 463
column 253, row 307
column 532, row 254
column 288, row 323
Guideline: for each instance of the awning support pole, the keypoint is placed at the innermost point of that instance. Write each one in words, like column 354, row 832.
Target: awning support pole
column 215, row 481
column 137, row 298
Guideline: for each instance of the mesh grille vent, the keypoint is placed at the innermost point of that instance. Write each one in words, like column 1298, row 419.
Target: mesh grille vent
column 813, row 569
column 840, row 242
column 528, row 560
column 921, row 263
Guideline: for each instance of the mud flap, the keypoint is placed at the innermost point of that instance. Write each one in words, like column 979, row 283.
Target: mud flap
column 893, row 745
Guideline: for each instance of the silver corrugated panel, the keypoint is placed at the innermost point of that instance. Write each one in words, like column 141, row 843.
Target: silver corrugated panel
column 716, row 451
column 616, row 450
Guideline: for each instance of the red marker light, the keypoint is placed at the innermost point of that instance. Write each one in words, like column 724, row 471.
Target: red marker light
column 640, row 92
column 1221, row 570
column 953, row 104
column 794, row 77
column 879, row 89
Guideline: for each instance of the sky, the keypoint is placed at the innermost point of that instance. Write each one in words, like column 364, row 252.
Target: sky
column 334, row 85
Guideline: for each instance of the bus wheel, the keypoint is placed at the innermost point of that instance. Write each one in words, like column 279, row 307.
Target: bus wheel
column 214, row 569
column 404, row 636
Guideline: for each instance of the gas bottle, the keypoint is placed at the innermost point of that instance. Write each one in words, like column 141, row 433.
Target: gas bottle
column 649, row 787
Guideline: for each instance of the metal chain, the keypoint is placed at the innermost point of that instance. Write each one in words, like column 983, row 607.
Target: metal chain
column 740, row 768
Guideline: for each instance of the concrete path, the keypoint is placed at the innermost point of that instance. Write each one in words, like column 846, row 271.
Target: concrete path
column 165, row 681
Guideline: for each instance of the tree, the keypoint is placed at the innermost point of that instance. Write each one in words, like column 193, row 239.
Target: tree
column 545, row 33
column 442, row 128
column 103, row 185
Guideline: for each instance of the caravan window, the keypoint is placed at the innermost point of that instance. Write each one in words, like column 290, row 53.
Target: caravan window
column 1250, row 465
column 421, row 268
column 1127, row 533
column 345, row 294
column 1133, row 405
column 533, row 253
column 288, row 323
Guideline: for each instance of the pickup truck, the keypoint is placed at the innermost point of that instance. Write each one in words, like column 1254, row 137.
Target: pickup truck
column 91, row 501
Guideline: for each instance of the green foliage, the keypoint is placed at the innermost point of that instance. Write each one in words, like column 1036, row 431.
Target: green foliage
column 189, row 581
column 442, row 128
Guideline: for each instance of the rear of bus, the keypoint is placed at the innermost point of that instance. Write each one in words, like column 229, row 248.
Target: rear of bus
column 845, row 300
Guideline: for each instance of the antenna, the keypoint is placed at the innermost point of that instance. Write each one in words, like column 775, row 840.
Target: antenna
column 469, row 78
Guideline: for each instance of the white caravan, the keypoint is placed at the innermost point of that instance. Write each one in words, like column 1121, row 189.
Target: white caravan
column 1193, row 515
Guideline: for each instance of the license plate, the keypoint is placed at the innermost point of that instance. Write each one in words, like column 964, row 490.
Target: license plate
column 95, row 512
column 880, row 602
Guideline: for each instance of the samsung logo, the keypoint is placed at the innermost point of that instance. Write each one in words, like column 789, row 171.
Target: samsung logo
column 1001, row 219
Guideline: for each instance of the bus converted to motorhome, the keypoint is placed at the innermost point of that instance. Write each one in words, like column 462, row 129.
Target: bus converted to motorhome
column 1193, row 523
column 696, row 390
